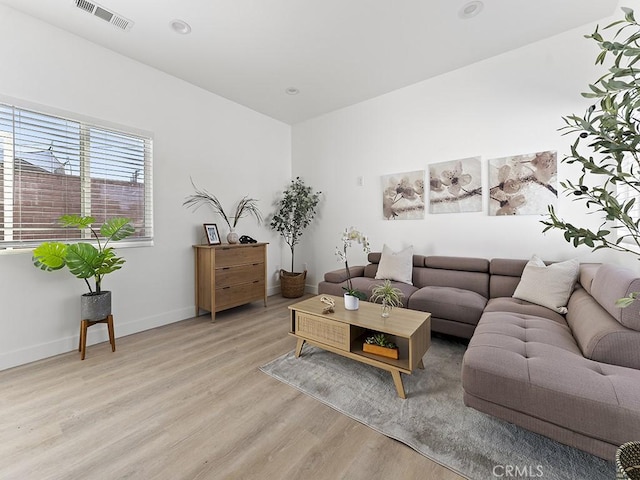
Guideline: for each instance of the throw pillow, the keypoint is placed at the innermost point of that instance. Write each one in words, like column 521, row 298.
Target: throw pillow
column 548, row 285
column 396, row 266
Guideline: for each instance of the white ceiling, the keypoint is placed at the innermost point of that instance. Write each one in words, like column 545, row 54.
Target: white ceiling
column 336, row 52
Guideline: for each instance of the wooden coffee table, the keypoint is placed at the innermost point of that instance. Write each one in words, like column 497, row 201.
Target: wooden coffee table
column 343, row 332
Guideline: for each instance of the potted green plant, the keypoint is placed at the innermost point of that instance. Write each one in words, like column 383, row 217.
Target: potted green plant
column 607, row 147
column 352, row 296
column 294, row 213
column 245, row 207
column 379, row 344
column 388, row 295
column 86, row 260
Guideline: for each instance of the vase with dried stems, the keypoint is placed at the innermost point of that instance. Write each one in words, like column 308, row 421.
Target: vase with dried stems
column 245, row 207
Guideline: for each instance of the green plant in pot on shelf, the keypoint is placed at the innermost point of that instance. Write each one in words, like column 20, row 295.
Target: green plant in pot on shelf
column 351, row 235
column 87, row 260
column 245, row 207
column 388, row 295
column 607, row 148
column 379, row 344
column 294, row 213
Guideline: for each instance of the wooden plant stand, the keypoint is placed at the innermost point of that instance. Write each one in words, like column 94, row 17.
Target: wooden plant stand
column 85, row 324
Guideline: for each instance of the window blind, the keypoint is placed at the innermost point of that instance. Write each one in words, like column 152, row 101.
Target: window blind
column 625, row 193
column 51, row 166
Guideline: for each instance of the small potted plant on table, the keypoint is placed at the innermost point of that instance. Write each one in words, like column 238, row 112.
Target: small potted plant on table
column 352, row 296
column 388, row 295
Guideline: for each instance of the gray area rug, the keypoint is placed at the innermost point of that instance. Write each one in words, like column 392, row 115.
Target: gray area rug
column 433, row 420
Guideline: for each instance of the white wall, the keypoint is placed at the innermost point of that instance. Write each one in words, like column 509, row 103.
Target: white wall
column 507, row 105
column 229, row 149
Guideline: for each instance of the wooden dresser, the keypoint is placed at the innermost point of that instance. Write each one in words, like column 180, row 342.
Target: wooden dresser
column 229, row 275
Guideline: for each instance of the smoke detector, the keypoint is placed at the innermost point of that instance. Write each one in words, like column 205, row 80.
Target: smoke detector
column 105, row 14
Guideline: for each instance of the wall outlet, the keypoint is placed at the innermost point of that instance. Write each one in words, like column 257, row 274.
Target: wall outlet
column 304, row 267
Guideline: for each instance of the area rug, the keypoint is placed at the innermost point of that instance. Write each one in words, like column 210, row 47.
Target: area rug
column 433, row 419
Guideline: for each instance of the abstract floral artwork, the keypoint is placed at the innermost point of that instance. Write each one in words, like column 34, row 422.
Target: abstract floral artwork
column 403, row 196
column 456, row 186
column 523, row 184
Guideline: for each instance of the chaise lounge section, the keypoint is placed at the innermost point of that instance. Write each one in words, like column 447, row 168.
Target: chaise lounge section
column 574, row 377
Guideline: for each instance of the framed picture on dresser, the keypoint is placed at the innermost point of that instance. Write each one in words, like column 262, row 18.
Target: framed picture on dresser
column 211, row 230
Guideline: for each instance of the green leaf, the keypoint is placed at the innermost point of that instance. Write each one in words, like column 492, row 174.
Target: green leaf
column 50, row 256
column 117, row 228
column 83, row 259
column 76, row 221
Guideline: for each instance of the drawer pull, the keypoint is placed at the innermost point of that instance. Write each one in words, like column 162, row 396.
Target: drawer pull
column 226, row 288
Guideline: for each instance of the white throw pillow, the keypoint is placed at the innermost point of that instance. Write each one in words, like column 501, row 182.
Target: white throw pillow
column 548, row 285
column 396, row 266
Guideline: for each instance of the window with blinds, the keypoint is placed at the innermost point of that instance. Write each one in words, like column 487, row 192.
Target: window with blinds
column 51, row 166
column 625, row 193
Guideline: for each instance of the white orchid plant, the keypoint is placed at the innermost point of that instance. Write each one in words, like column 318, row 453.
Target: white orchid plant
column 349, row 236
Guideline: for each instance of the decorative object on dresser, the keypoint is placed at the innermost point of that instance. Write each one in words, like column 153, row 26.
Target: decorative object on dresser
column 227, row 276
column 245, row 207
column 211, row 231
column 294, row 213
column 351, row 296
column 85, row 261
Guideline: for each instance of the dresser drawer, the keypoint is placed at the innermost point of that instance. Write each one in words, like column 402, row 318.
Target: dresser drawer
column 231, row 256
column 235, row 295
column 228, row 276
column 323, row 330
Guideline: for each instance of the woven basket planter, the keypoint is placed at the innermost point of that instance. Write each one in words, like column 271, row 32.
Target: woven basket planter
column 292, row 283
column 628, row 461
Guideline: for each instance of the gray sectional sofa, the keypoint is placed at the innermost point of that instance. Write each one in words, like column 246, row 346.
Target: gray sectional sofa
column 573, row 377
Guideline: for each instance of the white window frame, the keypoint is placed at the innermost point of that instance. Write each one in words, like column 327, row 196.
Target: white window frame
column 86, row 123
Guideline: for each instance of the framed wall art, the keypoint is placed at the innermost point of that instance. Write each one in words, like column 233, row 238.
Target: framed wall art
column 455, row 186
column 403, row 196
column 523, row 184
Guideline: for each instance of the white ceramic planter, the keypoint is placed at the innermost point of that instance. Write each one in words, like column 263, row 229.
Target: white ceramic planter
column 351, row 302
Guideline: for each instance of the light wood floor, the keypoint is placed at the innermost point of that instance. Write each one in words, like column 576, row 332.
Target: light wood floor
column 187, row 401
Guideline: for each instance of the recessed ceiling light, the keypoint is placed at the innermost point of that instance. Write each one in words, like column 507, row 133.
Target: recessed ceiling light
column 470, row 9
column 180, row 26
column 292, row 91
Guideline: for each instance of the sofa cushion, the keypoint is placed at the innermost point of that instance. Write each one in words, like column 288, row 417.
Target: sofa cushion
column 515, row 305
column 548, row 285
column 533, row 366
column 339, row 276
column 505, row 276
column 449, row 303
column 611, row 283
column 465, row 264
column 396, row 265
column 599, row 335
column 429, row 277
column 365, row 285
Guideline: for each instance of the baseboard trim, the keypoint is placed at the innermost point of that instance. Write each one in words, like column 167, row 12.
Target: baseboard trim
column 95, row 335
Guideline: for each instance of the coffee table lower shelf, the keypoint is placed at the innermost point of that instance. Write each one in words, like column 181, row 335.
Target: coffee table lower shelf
column 395, row 367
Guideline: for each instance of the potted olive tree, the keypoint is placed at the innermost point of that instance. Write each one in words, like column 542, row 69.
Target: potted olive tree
column 294, row 212
column 86, row 260
column 607, row 149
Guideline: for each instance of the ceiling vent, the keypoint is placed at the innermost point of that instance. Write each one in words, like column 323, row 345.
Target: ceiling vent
column 107, row 15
